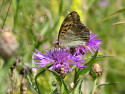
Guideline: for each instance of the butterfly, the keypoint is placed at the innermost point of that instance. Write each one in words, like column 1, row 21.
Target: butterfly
column 73, row 33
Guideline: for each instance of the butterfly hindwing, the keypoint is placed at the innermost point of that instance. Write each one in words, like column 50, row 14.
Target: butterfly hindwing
column 72, row 32
column 81, row 31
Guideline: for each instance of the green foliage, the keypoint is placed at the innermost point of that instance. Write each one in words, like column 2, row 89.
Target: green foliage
column 31, row 82
column 54, row 87
column 109, row 16
column 89, row 66
column 22, row 18
column 63, row 88
column 78, row 85
column 107, row 84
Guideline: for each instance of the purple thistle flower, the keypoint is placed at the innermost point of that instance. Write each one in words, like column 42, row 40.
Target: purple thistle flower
column 92, row 45
column 59, row 57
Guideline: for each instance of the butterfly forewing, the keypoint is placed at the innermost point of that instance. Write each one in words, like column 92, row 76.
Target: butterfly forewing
column 72, row 32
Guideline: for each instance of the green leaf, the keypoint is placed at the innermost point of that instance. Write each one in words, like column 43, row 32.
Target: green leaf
column 56, row 75
column 6, row 14
column 54, row 87
column 60, row 7
column 93, row 73
column 42, row 71
column 64, row 89
column 83, row 71
column 107, row 84
column 1, row 7
column 94, row 85
column 15, row 4
column 109, row 16
column 31, row 82
column 100, row 56
column 77, row 87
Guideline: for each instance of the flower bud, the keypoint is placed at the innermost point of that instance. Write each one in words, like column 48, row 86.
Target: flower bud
column 97, row 69
column 40, row 38
column 8, row 45
column 34, row 71
column 24, row 88
column 71, row 86
column 42, row 19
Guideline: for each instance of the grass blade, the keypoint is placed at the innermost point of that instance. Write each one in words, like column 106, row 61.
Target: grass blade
column 109, row 16
column 2, row 6
column 6, row 14
column 107, row 84
column 99, row 56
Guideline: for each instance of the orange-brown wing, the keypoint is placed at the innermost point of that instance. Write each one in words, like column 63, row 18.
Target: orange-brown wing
column 72, row 19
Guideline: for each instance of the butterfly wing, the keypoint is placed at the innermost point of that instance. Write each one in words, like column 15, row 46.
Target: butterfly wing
column 72, row 32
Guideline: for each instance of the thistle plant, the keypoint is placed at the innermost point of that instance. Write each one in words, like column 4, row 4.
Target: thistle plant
column 27, row 27
column 62, row 62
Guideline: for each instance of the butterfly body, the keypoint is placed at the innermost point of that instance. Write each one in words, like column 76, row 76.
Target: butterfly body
column 72, row 32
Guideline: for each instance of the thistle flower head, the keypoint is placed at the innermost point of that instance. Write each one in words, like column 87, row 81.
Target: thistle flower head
column 8, row 45
column 60, row 58
column 92, row 45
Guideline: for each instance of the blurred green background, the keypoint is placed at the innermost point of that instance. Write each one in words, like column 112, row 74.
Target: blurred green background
column 36, row 24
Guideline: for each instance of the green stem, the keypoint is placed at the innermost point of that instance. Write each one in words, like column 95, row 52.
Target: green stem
column 31, row 83
column 2, row 5
column 94, row 86
column 37, row 85
column 6, row 14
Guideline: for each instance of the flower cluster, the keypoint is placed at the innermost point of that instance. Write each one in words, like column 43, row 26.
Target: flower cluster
column 92, row 45
column 59, row 57
column 62, row 58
